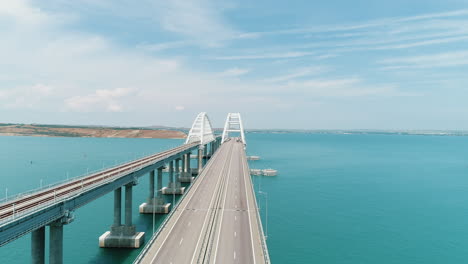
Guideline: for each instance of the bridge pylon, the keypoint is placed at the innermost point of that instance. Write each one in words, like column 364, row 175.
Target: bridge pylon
column 233, row 124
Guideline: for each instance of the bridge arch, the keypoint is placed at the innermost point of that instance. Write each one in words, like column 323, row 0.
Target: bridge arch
column 233, row 124
column 201, row 130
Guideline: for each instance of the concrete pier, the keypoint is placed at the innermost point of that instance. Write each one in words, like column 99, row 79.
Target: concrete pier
column 56, row 243
column 157, row 204
column 38, row 246
column 186, row 173
column 173, row 186
column 123, row 236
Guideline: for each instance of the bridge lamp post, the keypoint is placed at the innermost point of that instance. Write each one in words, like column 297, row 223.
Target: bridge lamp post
column 266, row 213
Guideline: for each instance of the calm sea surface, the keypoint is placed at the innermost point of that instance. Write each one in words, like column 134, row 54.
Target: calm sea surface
column 338, row 198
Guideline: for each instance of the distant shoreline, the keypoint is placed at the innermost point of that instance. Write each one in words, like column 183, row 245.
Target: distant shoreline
column 82, row 131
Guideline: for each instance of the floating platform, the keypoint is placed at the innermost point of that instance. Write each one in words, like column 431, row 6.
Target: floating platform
column 265, row 172
column 253, row 157
column 256, row 172
column 269, row 172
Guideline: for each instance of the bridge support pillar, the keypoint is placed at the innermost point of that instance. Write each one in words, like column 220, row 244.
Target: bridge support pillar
column 56, row 243
column 157, row 204
column 38, row 246
column 173, row 187
column 122, row 236
column 185, row 174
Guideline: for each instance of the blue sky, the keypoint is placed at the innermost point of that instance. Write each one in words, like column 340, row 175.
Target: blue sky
column 282, row 64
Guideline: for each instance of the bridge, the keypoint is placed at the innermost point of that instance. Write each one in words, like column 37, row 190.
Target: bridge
column 216, row 220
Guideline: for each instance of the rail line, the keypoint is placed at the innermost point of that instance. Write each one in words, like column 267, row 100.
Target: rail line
column 62, row 191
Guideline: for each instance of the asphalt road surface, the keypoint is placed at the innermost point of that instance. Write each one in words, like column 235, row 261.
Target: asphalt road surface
column 216, row 222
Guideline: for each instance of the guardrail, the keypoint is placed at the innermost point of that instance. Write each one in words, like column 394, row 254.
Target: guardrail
column 49, row 186
column 164, row 223
column 41, row 206
column 67, row 196
column 266, row 255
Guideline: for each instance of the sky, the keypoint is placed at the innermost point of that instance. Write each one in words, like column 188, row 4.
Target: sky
column 362, row 64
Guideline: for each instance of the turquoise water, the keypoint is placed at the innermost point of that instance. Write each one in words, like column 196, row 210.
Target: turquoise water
column 337, row 199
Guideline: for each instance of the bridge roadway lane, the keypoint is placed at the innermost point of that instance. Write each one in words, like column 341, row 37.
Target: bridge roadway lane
column 216, row 222
column 237, row 239
column 180, row 239
column 214, row 217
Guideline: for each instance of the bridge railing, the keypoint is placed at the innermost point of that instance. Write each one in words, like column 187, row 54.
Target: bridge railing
column 163, row 224
column 58, row 183
column 266, row 255
column 41, row 206
column 56, row 200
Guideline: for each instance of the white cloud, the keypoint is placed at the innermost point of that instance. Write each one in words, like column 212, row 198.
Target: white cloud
column 27, row 97
column 82, row 70
column 302, row 72
column 164, row 46
column 284, row 55
column 234, row 72
column 107, row 100
column 198, row 20
column 22, row 11
column 447, row 59
column 346, row 87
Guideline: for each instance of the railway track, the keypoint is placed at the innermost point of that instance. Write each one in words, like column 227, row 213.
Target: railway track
column 24, row 204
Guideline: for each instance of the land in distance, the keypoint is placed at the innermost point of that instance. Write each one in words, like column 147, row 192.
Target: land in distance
column 87, row 131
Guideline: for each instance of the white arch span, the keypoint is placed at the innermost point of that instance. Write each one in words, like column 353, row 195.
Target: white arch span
column 201, row 130
column 233, row 124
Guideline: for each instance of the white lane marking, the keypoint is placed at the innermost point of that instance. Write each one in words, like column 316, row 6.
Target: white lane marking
column 222, row 212
column 235, row 218
column 248, row 209
column 236, row 206
column 234, row 254
column 189, row 223
column 206, row 217
column 235, row 197
column 235, row 233
column 193, row 194
column 180, row 243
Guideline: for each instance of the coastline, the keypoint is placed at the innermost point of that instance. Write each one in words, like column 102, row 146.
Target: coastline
column 97, row 132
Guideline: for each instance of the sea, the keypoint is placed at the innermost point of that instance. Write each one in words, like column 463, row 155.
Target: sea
column 337, row 198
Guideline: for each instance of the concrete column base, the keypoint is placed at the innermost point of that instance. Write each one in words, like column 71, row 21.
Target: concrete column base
column 185, row 177
column 194, row 171
column 122, row 237
column 159, row 207
column 173, row 188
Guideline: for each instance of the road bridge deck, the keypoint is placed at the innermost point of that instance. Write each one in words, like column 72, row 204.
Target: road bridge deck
column 217, row 221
